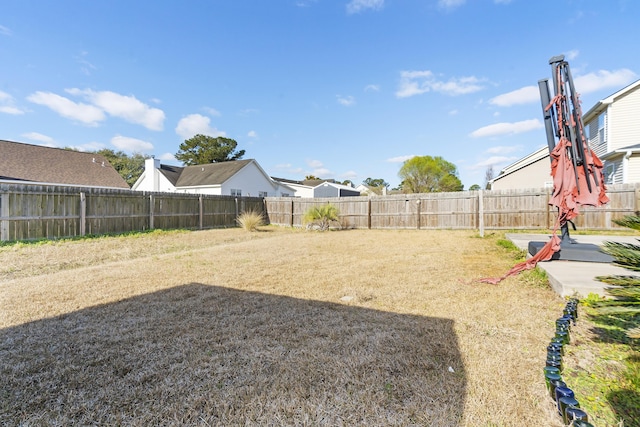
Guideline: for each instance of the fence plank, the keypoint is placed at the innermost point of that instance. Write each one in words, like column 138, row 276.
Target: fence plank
column 36, row 211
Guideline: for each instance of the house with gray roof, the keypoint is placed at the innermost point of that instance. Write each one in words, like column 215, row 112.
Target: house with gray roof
column 319, row 188
column 235, row 178
column 35, row 164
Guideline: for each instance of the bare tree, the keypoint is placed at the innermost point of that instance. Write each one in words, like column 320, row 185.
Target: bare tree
column 488, row 176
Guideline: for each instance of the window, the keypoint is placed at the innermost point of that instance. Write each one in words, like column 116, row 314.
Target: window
column 262, row 194
column 609, row 173
column 602, row 125
column 235, row 192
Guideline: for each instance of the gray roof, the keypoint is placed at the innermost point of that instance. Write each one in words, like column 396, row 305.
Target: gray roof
column 172, row 173
column 209, row 174
column 35, row 163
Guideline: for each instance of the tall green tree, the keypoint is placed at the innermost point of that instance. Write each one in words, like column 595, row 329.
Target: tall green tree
column 203, row 149
column 426, row 174
column 375, row 182
column 130, row 167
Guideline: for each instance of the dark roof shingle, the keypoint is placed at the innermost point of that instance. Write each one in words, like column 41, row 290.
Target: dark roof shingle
column 35, row 163
column 209, row 174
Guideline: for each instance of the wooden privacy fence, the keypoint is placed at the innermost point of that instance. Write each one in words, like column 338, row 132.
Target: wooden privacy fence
column 29, row 212
column 499, row 209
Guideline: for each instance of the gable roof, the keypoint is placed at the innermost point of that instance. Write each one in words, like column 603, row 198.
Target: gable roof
column 209, row 174
column 172, row 173
column 46, row 165
column 539, row 154
column 602, row 105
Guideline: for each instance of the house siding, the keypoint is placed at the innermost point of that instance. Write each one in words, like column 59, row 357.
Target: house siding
column 593, row 136
column 251, row 181
column 633, row 174
column 623, row 129
column 535, row 175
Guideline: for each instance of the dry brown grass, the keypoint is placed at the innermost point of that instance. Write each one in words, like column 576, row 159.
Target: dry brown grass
column 281, row 327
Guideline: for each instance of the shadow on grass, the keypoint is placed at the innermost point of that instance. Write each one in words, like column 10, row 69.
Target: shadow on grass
column 625, row 400
column 207, row 355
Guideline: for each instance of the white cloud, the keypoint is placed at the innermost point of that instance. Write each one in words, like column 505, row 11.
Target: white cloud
column 357, row 6
column 322, row 173
column 453, row 112
column 194, row 124
column 502, row 1
column 347, row 101
column 316, row 164
column 252, row 134
column 7, row 105
column 524, row 95
column 131, row 145
column 372, row 88
column 84, row 113
column 35, row 136
column 502, row 149
column 5, row 31
column 450, row 4
column 419, row 82
column 90, row 146
column 125, row 107
column 604, row 79
column 349, row 175
column 499, row 129
column 400, row 159
column 493, row 161
column 212, row 111
column 169, row 157
column 571, row 55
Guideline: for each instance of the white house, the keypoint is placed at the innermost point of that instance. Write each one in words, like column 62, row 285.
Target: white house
column 236, row 178
column 613, row 129
column 319, row 188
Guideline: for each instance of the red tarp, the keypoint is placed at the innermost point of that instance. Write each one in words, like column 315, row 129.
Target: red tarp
column 570, row 190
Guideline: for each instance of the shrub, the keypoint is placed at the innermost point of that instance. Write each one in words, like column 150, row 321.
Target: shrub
column 250, row 220
column 320, row 217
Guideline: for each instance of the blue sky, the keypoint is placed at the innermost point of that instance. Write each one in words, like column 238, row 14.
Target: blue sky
column 343, row 89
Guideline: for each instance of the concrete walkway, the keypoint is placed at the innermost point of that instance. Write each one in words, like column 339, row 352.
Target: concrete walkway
column 573, row 278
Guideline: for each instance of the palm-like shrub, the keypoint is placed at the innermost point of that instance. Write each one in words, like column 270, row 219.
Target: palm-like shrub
column 250, row 220
column 625, row 305
column 320, row 217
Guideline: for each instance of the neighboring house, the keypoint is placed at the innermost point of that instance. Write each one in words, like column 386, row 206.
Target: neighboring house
column 532, row 171
column 319, row 188
column 613, row 129
column 35, row 164
column 367, row 190
column 235, row 178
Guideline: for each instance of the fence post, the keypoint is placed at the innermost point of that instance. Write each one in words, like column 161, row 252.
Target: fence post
column 292, row 210
column 369, row 214
column 481, row 212
column 237, row 213
column 152, row 204
column 200, row 218
column 4, row 216
column 548, row 210
column 83, row 214
column 418, row 213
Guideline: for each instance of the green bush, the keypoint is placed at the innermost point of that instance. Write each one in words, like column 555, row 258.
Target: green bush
column 320, row 217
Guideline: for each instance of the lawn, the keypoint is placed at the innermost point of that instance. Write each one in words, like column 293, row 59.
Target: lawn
column 277, row 327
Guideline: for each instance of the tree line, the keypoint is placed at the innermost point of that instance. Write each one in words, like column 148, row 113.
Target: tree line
column 420, row 174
